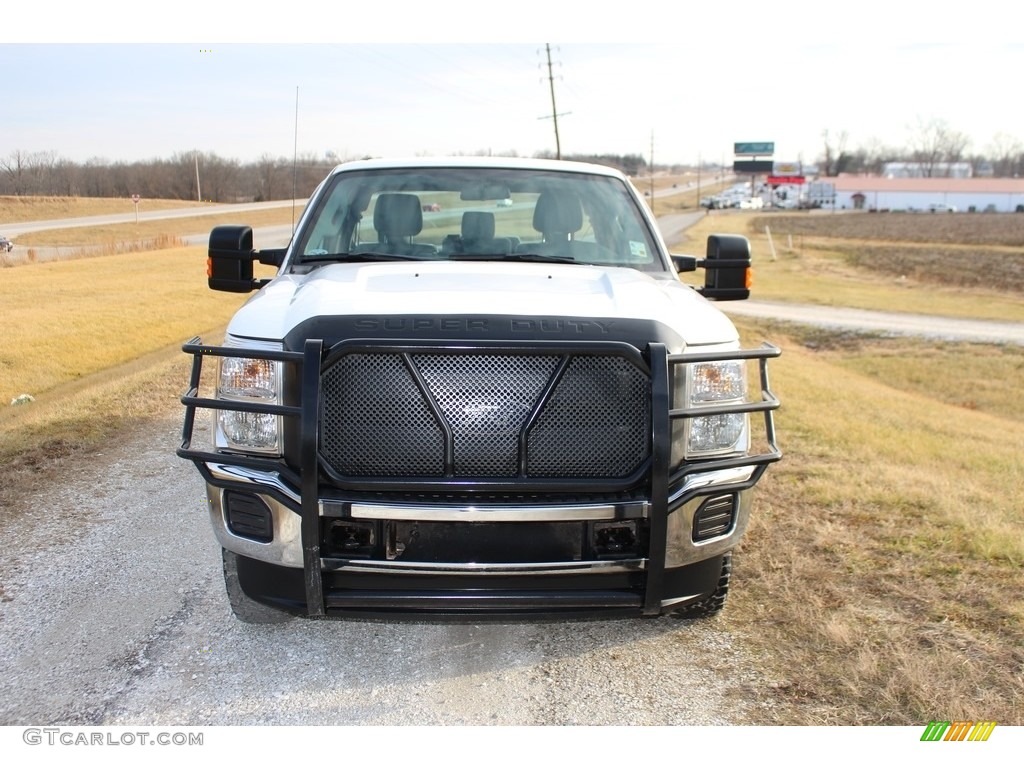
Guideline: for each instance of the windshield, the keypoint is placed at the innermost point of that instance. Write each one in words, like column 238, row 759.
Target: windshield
column 478, row 214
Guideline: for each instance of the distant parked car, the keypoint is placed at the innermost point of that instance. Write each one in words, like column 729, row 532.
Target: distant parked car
column 942, row 208
column 6, row 245
column 431, row 207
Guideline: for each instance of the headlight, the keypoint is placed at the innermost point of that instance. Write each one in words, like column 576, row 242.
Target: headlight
column 717, row 382
column 709, row 385
column 249, row 380
column 245, row 378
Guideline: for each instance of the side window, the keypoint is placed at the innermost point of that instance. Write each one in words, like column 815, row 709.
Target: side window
column 327, row 236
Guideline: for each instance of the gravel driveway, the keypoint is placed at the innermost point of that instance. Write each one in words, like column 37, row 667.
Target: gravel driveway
column 112, row 612
column 883, row 323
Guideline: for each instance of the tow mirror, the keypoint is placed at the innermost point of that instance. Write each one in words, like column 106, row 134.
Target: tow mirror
column 230, row 260
column 727, row 274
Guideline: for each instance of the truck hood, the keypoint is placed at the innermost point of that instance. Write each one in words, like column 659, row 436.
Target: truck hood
column 385, row 292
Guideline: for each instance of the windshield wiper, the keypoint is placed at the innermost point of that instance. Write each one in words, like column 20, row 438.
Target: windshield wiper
column 358, row 256
column 531, row 257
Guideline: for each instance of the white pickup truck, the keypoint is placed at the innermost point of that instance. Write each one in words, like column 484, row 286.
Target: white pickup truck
column 477, row 388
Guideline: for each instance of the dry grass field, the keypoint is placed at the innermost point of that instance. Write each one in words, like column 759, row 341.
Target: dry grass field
column 882, row 580
column 949, row 249
column 969, row 230
column 839, row 260
column 884, row 570
column 92, row 340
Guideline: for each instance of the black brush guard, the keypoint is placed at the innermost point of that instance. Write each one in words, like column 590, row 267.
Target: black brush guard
column 312, row 477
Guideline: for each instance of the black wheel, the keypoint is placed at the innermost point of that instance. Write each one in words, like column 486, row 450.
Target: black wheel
column 712, row 604
column 244, row 607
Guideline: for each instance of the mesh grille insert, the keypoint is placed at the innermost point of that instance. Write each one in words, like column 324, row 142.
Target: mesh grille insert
column 376, row 421
column 597, row 423
column 486, row 399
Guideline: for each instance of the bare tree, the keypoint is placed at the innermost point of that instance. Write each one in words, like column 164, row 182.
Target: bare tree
column 835, row 159
column 271, row 178
column 934, row 146
column 15, row 170
column 1006, row 154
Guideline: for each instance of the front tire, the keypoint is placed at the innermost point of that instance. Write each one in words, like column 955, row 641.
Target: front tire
column 244, row 607
column 715, row 602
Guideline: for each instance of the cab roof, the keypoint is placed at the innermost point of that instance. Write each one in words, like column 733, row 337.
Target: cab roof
column 519, row 163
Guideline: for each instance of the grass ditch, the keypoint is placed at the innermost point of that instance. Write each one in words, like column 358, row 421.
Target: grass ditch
column 72, row 422
column 881, row 580
column 109, row 248
column 67, row 320
column 96, row 343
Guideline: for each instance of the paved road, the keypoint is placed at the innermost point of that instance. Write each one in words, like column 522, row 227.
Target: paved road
column 264, row 237
column 20, row 228
column 674, row 225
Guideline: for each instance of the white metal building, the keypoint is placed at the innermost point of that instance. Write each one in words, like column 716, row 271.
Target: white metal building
column 895, row 194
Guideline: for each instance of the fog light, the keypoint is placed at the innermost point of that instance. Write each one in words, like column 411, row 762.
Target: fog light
column 248, row 516
column 714, row 517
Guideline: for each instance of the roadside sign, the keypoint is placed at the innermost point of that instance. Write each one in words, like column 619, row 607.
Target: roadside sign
column 752, row 166
column 754, row 148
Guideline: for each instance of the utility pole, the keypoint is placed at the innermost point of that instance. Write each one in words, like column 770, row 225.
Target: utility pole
column 199, row 195
column 554, row 110
column 698, row 180
column 652, row 169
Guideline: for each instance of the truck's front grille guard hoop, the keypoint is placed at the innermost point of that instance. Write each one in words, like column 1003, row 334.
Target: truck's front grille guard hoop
column 663, row 371
column 192, row 401
column 766, row 405
column 661, row 368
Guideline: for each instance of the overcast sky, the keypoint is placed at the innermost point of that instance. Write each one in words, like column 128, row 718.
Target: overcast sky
column 130, row 81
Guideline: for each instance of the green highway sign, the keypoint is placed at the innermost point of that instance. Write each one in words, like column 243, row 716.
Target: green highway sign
column 754, row 148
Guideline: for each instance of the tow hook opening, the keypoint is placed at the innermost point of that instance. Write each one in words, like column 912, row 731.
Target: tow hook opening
column 616, row 539
column 351, row 538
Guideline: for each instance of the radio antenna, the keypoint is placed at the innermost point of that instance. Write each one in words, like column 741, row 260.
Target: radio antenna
column 295, row 156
